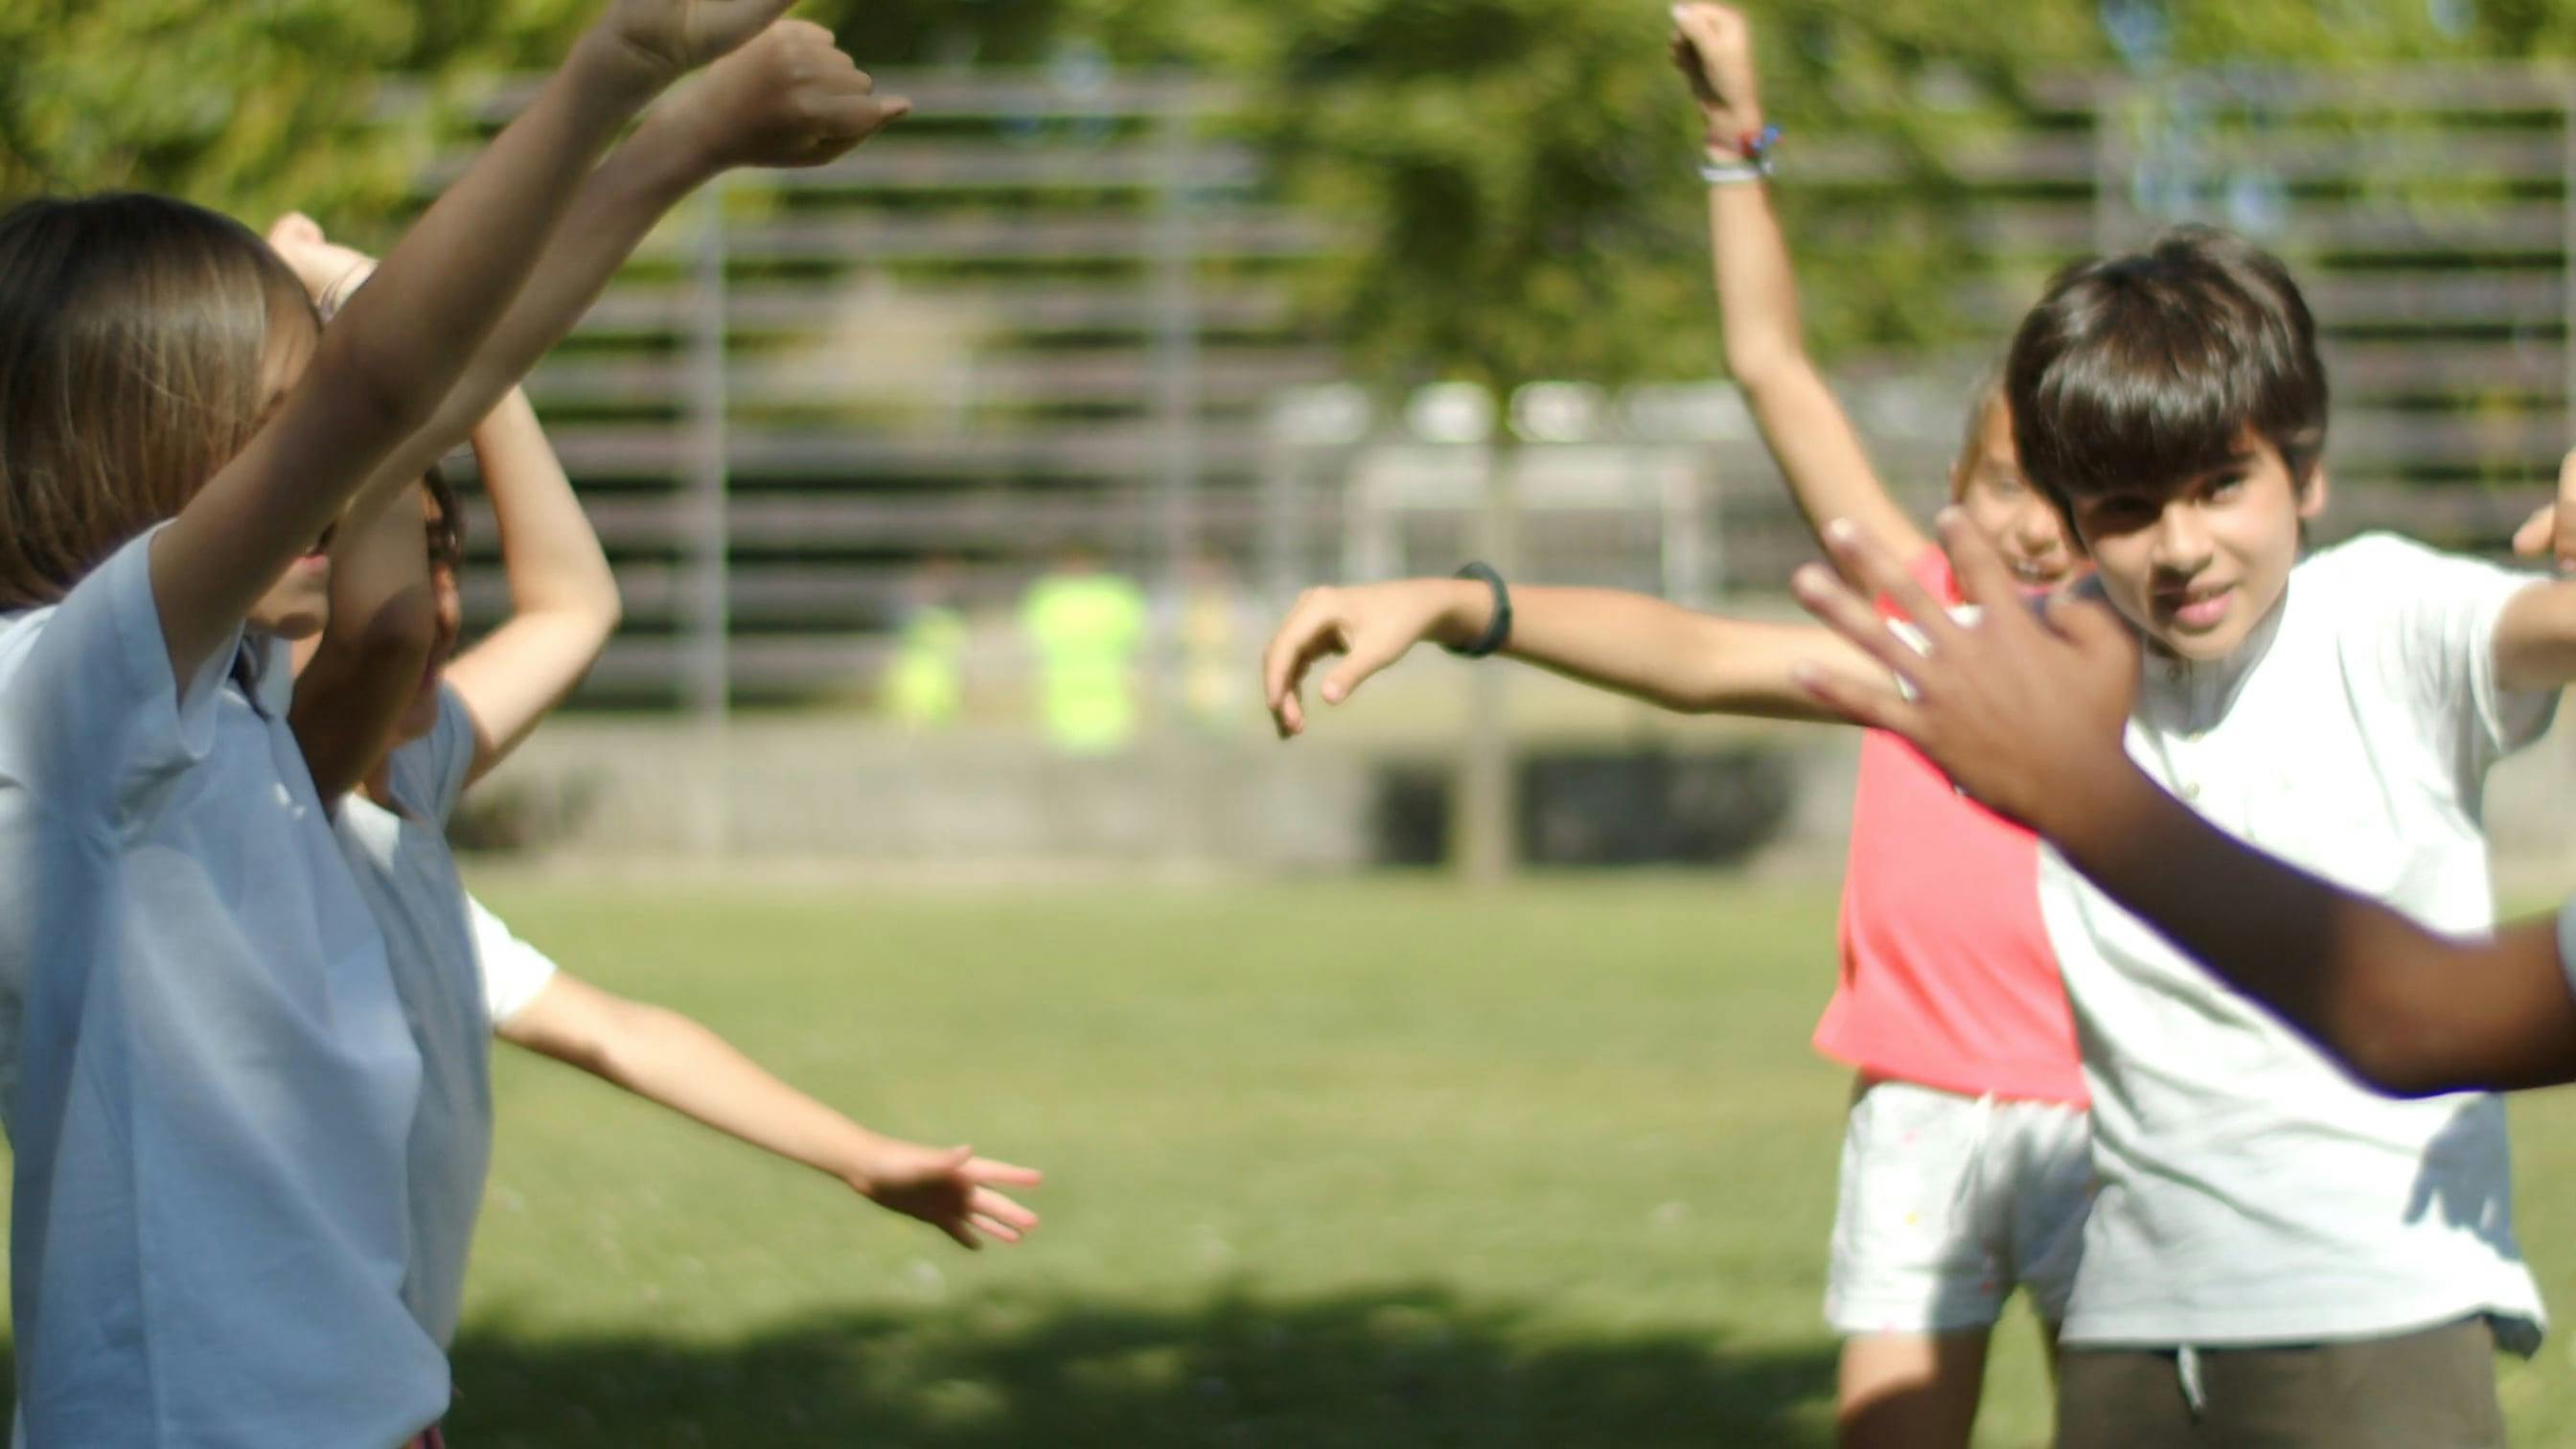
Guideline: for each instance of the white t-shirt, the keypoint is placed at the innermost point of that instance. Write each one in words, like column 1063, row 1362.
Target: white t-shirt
column 514, row 972
column 2250, row 1191
column 403, row 868
column 204, row 1071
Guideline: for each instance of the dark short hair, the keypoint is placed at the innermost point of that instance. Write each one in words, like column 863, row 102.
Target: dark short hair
column 2149, row 368
column 447, row 532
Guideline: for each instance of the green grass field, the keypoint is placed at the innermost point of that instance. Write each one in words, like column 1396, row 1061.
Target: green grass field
column 1373, row 1164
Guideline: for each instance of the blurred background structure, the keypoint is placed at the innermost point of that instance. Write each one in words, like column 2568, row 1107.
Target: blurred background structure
column 953, row 488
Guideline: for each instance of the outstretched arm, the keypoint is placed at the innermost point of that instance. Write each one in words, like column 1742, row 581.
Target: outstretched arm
column 1809, row 434
column 380, row 374
column 1630, row 644
column 668, row 1059
column 2026, row 712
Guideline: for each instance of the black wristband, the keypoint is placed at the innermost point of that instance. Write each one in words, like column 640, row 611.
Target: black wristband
column 1498, row 630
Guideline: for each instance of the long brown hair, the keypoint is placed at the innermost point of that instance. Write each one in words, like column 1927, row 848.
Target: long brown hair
column 134, row 336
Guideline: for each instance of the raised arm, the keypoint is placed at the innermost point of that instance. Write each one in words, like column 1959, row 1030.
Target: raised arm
column 2027, row 714
column 563, row 598
column 668, row 1059
column 2535, row 640
column 1631, row 644
column 380, row 374
column 1809, row 434
column 788, row 98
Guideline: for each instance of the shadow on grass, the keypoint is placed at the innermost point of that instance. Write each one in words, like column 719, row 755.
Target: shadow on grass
column 1398, row 1366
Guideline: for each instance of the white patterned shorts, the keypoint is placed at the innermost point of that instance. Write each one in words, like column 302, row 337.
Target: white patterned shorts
column 1949, row 1202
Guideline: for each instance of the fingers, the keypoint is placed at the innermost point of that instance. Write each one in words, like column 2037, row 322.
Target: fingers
column 985, row 1169
column 1832, row 601
column 1983, row 579
column 2087, row 624
column 1865, row 560
column 2565, row 527
column 1306, row 635
column 995, row 1229
column 293, row 228
column 986, row 1203
column 1871, row 706
column 2534, row 536
column 1366, row 658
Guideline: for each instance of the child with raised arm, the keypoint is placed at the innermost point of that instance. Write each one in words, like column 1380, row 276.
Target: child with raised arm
column 1966, row 1163
column 2275, row 1254
column 2308, row 1260
column 204, row 1068
column 463, row 975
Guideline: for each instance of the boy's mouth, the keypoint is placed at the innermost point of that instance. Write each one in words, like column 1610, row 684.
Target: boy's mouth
column 2197, row 609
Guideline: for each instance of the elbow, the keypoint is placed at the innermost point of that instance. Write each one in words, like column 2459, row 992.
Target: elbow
column 377, row 387
column 1759, row 366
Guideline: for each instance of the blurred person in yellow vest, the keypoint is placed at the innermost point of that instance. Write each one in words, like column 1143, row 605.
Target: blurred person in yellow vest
column 925, row 680
column 1087, row 626
column 1216, row 682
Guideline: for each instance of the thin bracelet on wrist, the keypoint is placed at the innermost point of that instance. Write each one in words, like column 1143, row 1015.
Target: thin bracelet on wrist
column 1498, row 629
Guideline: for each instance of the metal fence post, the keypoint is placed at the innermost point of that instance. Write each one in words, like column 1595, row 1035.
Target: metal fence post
column 1176, row 393
column 707, row 669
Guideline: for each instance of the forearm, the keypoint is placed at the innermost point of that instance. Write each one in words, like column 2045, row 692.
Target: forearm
column 416, row 342
column 548, row 548
column 613, row 208
column 1676, row 658
column 1820, row 454
column 668, row 1059
column 2409, row 1011
column 368, row 664
column 1757, row 291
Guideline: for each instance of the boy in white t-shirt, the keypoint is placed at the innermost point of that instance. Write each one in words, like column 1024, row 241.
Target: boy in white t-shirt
column 2276, row 1254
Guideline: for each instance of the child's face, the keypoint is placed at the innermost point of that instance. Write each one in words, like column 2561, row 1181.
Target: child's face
column 2013, row 516
column 2197, row 564
column 420, row 716
column 298, row 605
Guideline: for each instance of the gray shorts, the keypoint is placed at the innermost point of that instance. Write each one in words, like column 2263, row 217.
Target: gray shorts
column 2433, row 1389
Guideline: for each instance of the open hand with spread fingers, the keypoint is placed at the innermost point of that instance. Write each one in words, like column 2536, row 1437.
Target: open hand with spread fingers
column 949, row 1188
column 2023, row 705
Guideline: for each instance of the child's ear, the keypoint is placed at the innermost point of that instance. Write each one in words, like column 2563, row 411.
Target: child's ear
column 2312, row 493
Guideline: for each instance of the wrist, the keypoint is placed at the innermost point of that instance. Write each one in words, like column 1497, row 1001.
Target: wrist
column 608, row 67
column 667, row 157
column 2098, row 807
column 1730, row 130
column 1465, row 609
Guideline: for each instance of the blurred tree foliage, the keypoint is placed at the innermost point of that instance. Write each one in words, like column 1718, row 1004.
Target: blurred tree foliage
column 1518, row 170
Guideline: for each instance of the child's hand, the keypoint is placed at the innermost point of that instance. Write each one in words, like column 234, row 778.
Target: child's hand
column 789, row 98
column 2025, row 708
column 2552, row 530
column 673, row 37
column 1713, row 47
column 949, row 1188
column 1373, row 624
column 329, row 271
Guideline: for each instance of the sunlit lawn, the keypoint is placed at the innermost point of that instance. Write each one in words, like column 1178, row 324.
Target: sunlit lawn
column 1376, row 1164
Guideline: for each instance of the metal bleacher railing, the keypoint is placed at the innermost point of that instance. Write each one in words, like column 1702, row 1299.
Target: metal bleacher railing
column 1065, row 312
